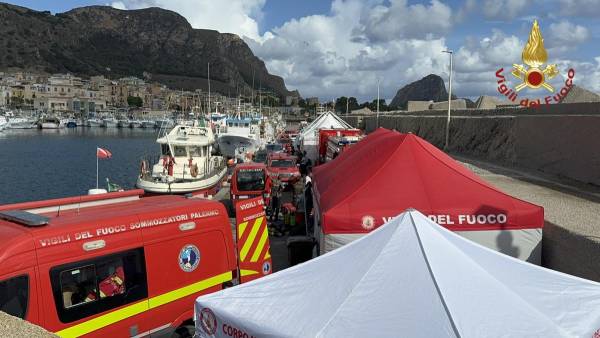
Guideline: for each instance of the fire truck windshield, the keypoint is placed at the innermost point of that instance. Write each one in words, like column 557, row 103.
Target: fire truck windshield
column 250, row 180
column 282, row 163
column 272, row 147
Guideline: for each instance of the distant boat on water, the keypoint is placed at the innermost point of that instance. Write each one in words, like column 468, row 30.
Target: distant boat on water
column 20, row 123
column 94, row 122
column 123, row 123
column 148, row 124
column 109, row 122
column 135, row 124
column 52, row 123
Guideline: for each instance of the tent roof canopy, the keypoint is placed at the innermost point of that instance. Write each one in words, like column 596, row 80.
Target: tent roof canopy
column 387, row 172
column 409, row 278
column 328, row 120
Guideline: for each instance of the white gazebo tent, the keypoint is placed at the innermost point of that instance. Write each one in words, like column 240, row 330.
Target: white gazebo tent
column 409, row 278
column 309, row 136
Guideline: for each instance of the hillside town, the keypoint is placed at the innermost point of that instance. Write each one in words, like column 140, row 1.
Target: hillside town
column 70, row 94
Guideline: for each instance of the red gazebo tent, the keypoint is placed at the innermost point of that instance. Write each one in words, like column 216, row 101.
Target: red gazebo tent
column 388, row 172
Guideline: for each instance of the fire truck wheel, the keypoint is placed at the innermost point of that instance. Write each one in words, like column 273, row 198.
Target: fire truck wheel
column 229, row 207
column 184, row 331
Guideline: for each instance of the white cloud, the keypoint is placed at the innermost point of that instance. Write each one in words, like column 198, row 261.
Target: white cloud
column 587, row 74
column 589, row 8
column 504, row 9
column 489, row 53
column 566, row 35
column 477, row 61
column 400, row 21
column 232, row 16
column 338, row 54
column 119, row 5
column 361, row 42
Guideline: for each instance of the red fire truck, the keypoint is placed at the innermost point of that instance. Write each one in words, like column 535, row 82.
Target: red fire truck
column 334, row 141
column 250, row 180
column 114, row 265
column 282, row 166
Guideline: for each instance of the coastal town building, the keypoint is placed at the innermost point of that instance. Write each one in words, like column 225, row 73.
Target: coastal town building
column 70, row 94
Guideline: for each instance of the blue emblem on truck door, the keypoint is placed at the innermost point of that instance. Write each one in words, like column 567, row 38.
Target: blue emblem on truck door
column 189, row 257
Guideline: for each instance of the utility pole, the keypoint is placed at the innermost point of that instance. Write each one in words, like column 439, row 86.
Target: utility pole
column 449, row 100
column 377, row 103
column 252, row 92
column 346, row 106
column 209, row 89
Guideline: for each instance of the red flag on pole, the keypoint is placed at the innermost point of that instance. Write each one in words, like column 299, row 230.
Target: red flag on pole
column 103, row 153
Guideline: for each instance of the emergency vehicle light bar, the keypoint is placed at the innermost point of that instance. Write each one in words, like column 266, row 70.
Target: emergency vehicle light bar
column 24, row 218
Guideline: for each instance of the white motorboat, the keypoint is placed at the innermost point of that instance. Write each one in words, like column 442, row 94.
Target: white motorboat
column 186, row 164
column 109, row 122
column 135, row 124
column 94, row 122
column 123, row 123
column 3, row 123
column 240, row 136
column 51, row 123
column 164, row 123
column 148, row 124
column 20, row 123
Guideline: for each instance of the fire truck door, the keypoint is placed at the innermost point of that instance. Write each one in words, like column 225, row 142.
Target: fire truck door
column 183, row 267
column 252, row 239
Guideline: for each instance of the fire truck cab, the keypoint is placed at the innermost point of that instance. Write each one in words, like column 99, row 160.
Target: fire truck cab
column 113, row 265
column 250, row 180
column 282, row 166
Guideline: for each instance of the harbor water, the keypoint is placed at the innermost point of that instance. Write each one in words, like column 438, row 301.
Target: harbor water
column 43, row 164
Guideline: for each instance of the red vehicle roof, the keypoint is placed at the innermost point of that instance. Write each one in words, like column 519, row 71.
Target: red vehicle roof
column 388, row 172
column 16, row 238
column 281, row 156
column 250, row 165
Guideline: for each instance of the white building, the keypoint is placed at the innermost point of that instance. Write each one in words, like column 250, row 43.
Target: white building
column 4, row 96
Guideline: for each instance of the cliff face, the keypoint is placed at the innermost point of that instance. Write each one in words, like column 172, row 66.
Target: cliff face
column 160, row 44
column 428, row 88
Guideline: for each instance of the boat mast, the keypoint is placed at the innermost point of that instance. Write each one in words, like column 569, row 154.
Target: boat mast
column 208, row 89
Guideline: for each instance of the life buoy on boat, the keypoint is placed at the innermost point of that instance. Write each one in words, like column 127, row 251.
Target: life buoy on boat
column 194, row 170
column 143, row 168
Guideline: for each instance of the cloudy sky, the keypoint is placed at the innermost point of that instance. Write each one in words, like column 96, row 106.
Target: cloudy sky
column 345, row 47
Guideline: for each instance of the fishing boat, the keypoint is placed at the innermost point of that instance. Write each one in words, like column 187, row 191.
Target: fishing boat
column 20, row 123
column 135, row 124
column 164, row 123
column 94, row 122
column 123, row 123
column 71, row 123
column 148, row 124
column 239, row 136
column 186, row 164
column 109, row 122
column 51, row 122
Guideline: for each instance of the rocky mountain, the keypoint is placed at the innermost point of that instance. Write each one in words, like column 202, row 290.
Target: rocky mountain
column 579, row 94
column 154, row 43
column 431, row 87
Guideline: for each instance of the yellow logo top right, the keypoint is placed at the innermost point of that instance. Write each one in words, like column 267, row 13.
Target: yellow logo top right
column 535, row 56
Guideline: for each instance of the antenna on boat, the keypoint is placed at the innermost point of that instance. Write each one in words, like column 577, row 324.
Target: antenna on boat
column 252, row 92
column 259, row 96
column 208, row 110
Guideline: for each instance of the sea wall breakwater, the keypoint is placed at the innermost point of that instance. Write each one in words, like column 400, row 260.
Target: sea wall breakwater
column 561, row 140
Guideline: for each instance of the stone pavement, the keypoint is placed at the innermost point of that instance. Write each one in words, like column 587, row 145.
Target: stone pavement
column 571, row 235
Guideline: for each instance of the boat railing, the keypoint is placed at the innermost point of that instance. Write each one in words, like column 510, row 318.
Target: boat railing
column 213, row 166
